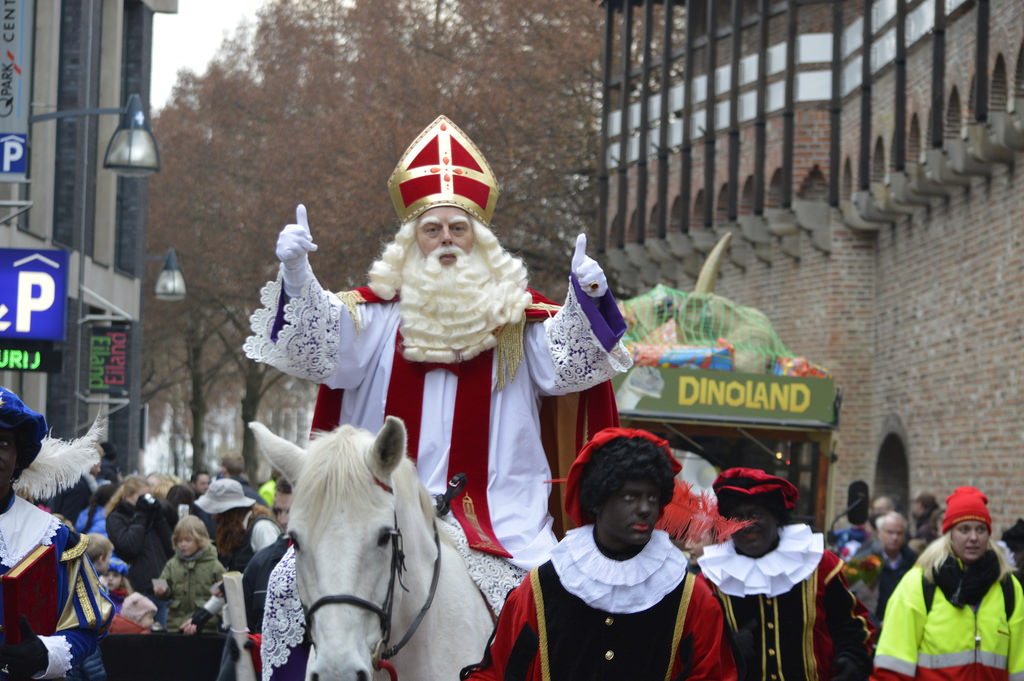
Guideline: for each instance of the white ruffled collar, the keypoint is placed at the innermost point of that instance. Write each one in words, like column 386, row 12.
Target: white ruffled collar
column 618, row 586
column 23, row 527
column 773, row 574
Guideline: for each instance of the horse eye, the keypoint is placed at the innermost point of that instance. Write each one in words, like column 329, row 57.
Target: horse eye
column 295, row 540
column 384, row 537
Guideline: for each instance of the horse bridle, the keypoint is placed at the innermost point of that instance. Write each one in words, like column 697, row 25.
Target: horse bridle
column 381, row 652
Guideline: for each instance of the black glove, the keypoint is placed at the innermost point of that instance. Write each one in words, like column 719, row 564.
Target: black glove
column 233, row 647
column 200, row 618
column 26, row 659
column 848, row 669
column 147, row 504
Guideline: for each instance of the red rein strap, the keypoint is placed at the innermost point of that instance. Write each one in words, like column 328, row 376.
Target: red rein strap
column 390, row 669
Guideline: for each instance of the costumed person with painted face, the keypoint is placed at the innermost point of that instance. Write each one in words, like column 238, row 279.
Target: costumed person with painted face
column 33, row 463
column 959, row 612
column 784, row 595
column 448, row 337
column 616, row 600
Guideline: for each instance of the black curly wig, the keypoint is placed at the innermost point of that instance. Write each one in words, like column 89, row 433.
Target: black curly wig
column 619, row 460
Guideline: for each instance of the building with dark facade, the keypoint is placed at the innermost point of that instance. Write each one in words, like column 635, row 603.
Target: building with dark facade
column 86, row 54
column 864, row 155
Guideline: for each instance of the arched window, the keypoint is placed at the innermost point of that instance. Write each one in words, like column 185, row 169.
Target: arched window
column 722, row 205
column 878, row 161
column 746, row 206
column 815, row 186
column 913, row 142
column 952, row 129
column 697, row 214
column 997, row 94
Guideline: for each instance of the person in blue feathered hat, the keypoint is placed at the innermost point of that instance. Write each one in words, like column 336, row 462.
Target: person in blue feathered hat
column 33, row 462
column 29, row 428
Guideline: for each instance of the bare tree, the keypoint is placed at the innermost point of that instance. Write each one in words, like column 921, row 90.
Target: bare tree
column 315, row 105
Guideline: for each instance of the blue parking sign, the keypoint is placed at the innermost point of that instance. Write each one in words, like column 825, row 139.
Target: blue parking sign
column 13, row 159
column 33, row 293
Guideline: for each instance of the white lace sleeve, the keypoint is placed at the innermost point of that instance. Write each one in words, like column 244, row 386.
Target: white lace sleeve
column 579, row 359
column 283, row 623
column 307, row 345
column 58, row 649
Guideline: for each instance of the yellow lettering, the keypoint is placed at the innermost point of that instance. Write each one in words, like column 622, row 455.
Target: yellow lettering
column 716, row 393
column 734, row 394
column 760, row 396
column 779, row 397
column 689, row 390
column 801, row 398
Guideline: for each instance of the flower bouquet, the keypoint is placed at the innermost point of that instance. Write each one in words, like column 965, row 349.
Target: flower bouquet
column 866, row 569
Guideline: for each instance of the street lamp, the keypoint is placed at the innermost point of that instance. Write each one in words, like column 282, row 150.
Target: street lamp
column 170, row 283
column 132, row 151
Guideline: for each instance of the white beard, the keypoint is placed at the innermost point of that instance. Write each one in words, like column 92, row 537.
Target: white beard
column 453, row 313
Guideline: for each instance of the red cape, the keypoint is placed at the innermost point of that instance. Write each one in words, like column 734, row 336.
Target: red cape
column 567, row 422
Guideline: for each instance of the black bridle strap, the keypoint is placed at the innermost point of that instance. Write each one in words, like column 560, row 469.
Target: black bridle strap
column 342, row 599
column 385, row 613
column 392, row 651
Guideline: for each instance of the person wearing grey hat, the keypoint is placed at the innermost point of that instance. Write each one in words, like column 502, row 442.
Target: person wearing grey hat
column 243, row 526
column 23, row 527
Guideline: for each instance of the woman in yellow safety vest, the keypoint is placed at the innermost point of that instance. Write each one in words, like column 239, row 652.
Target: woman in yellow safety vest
column 959, row 613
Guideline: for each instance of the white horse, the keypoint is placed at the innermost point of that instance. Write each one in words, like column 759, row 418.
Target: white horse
column 358, row 514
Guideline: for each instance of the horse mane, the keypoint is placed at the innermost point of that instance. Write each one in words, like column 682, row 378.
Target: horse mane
column 336, row 476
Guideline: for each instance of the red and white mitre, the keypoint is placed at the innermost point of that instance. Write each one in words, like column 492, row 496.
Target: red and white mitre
column 442, row 167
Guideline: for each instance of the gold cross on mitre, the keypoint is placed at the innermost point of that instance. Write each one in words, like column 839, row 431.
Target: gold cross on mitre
column 442, row 167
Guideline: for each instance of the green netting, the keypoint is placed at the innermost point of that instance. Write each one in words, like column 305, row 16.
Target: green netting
column 664, row 319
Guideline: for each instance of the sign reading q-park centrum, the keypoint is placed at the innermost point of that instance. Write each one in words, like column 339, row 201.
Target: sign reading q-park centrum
column 33, row 294
column 15, row 87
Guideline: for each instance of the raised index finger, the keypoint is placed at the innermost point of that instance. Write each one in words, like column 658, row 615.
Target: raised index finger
column 300, row 216
column 581, row 251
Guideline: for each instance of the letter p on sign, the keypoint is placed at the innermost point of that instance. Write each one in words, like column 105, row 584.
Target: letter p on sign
column 12, row 154
column 36, row 293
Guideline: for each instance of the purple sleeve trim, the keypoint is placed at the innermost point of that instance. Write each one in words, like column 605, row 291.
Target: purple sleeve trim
column 279, row 318
column 295, row 668
column 603, row 315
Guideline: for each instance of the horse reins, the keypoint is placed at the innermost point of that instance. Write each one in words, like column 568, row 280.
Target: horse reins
column 380, row 652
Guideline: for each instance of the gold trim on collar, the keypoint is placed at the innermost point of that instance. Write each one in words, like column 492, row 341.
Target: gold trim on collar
column 77, row 550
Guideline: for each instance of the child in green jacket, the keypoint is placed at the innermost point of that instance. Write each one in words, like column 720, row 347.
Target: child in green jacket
column 190, row 575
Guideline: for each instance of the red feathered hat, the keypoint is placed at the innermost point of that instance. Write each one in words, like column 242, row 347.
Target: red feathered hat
column 966, row 503
column 572, row 484
column 753, row 482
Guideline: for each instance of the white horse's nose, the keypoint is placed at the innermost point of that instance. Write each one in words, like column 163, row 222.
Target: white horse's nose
column 340, row 666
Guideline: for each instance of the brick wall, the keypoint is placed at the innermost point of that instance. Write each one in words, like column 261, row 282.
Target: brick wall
column 920, row 321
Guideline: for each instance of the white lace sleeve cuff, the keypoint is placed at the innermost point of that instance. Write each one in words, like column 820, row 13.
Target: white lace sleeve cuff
column 579, row 358
column 283, row 620
column 59, row 651
column 300, row 337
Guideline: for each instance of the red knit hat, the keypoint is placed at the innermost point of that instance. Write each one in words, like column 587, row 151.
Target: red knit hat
column 966, row 503
column 572, row 483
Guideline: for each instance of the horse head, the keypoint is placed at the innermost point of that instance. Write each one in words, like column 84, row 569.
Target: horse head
column 357, row 514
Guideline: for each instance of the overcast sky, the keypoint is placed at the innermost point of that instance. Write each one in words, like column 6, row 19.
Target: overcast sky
column 189, row 39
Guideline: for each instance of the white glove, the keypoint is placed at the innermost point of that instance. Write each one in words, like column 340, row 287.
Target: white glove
column 293, row 246
column 588, row 273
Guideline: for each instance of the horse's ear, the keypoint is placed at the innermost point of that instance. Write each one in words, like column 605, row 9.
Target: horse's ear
column 283, row 455
column 389, row 447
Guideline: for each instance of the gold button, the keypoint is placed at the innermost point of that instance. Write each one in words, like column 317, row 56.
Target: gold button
column 771, row 652
column 608, row 621
column 773, row 677
column 609, row 655
column 771, row 626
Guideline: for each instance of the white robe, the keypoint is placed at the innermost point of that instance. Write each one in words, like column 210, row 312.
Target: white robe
column 561, row 355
